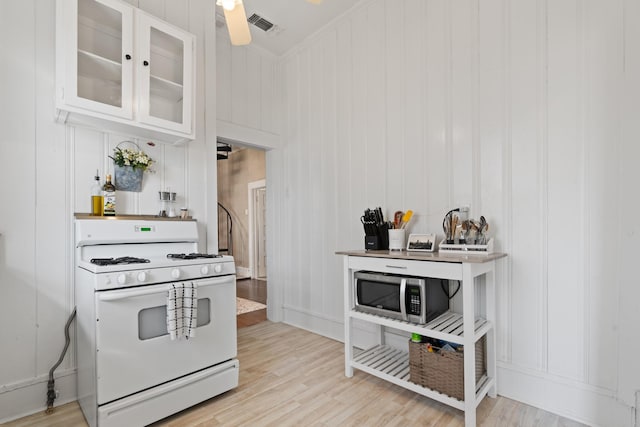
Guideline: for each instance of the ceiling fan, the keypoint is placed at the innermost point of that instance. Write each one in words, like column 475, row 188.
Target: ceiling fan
column 236, row 19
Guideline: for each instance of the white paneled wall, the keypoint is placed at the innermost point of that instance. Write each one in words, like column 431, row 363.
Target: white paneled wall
column 246, row 93
column 47, row 170
column 91, row 150
column 525, row 111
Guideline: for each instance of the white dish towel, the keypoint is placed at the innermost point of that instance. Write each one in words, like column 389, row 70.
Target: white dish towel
column 182, row 310
column 190, row 309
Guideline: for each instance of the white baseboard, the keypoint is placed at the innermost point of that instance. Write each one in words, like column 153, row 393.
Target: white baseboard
column 28, row 397
column 590, row 405
column 313, row 322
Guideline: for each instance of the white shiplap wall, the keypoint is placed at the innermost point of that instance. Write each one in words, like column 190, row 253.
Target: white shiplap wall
column 47, row 168
column 526, row 112
column 247, row 94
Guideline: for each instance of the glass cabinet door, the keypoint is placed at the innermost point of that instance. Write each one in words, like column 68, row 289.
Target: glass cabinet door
column 166, row 75
column 103, row 63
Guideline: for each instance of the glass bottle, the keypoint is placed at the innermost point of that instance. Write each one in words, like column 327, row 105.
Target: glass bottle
column 97, row 201
column 109, row 194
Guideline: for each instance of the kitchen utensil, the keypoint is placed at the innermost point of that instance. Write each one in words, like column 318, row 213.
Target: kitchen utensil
column 465, row 229
column 397, row 219
column 483, row 227
column 406, row 218
column 454, row 226
column 483, row 224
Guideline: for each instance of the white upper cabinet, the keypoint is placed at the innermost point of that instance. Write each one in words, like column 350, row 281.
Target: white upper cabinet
column 164, row 75
column 122, row 69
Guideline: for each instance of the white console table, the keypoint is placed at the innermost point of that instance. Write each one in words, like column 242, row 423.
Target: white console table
column 462, row 328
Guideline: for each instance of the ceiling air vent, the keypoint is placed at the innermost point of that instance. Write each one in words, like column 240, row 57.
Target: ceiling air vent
column 260, row 22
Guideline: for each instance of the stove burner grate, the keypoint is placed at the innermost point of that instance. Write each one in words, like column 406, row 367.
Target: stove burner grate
column 121, row 260
column 192, row 256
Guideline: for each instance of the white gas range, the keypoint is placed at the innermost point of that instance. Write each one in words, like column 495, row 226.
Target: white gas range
column 132, row 278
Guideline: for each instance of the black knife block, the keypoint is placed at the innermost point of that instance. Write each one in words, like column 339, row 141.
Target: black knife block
column 380, row 241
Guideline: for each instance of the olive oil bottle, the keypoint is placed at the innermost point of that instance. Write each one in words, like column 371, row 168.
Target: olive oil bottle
column 97, row 201
column 109, row 195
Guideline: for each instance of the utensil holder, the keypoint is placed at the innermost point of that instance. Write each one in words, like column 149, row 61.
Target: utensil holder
column 458, row 248
column 396, row 239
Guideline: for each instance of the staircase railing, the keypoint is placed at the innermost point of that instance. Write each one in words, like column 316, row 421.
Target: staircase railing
column 229, row 229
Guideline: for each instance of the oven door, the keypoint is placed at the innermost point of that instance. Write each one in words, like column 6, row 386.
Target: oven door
column 134, row 350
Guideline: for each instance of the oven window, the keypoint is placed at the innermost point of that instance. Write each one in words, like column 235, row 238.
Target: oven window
column 152, row 322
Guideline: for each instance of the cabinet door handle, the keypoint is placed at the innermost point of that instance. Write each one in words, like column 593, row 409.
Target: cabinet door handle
column 145, row 63
column 396, row 266
column 127, row 57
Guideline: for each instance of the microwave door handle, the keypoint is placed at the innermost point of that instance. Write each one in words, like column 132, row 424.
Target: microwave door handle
column 403, row 304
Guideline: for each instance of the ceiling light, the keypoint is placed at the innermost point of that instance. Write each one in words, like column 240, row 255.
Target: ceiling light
column 227, row 4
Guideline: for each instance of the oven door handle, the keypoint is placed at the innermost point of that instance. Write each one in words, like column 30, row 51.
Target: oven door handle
column 156, row 289
column 403, row 300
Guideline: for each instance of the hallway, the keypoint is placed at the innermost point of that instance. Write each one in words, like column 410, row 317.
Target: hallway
column 255, row 290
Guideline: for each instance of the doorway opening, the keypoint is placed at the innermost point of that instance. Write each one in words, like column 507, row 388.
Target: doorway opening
column 242, row 224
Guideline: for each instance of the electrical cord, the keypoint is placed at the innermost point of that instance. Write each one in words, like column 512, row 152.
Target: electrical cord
column 51, row 392
column 443, row 285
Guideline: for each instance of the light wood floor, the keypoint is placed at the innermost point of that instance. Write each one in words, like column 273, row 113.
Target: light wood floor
column 291, row 377
column 255, row 290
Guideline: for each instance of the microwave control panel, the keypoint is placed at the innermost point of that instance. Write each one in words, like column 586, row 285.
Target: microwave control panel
column 413, row 306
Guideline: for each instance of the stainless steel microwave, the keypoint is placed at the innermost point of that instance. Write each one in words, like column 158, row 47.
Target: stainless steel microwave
column 413, row 299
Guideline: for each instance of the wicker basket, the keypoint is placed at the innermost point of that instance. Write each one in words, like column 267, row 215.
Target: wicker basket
column 443, row 372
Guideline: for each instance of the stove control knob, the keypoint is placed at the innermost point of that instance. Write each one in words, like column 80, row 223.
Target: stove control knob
column 217, row 268
column 122, row 279
column 204, row 269
column 142, row 276
column 175, row 273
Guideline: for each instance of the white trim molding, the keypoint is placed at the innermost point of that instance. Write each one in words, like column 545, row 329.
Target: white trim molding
column 571, row 399
column 251, row 187
column 249, row 136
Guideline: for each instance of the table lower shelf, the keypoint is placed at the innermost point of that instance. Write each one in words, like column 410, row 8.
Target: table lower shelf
column 448, row 326
column 392, row 365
